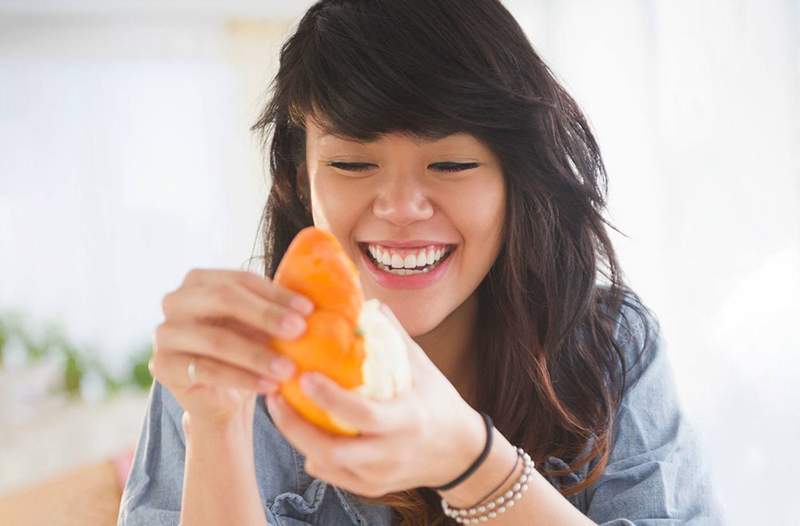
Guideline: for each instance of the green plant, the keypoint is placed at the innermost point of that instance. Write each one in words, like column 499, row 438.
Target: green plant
column 77, row 362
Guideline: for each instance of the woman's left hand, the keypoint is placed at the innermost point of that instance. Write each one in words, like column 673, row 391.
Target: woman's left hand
column 424, row 437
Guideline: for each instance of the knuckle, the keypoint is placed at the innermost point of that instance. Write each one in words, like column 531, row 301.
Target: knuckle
column 217, row 340
column 159, row 336
column 223, row 294
column 166, row 303
column 155, row 364
column 254, row 278
column 193, row 276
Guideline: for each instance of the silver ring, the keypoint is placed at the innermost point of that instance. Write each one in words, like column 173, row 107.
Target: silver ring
column 192, row 371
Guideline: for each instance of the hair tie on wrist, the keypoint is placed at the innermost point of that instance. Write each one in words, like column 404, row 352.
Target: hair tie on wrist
column 475, row 465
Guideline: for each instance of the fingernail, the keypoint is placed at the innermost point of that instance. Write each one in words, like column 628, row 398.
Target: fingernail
column 283, row 368
column 302, row 304
column 293, row 325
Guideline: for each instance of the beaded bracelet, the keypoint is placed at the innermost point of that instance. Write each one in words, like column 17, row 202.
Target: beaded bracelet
column 498, row 505
column 502, row 483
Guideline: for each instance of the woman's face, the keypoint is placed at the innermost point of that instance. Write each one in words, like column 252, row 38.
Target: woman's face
column 395, row 199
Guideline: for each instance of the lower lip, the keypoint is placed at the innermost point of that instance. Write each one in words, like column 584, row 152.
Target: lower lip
column 410, row 281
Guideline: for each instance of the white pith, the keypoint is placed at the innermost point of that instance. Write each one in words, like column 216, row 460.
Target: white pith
column 386, row 369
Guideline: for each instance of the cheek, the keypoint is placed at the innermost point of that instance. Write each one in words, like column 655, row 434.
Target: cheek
column 479, row 216
column 336, row 206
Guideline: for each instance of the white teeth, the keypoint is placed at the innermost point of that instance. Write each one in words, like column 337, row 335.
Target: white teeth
column 412, row 263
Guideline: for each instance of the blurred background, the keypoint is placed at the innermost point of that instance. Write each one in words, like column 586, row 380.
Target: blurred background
column 126, row 160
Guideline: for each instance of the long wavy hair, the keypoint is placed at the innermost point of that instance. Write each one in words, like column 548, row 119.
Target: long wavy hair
column 554, row 374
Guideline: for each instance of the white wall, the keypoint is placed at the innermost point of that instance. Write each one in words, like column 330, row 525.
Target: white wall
column 696, row 106
column 125, row 161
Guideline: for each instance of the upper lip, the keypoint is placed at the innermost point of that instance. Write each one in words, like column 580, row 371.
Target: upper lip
column 416, row 243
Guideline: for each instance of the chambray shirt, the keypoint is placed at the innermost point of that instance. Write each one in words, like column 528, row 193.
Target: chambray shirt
column 657, row 473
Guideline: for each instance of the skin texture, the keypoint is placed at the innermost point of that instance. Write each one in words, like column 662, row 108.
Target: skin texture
column 401, row 196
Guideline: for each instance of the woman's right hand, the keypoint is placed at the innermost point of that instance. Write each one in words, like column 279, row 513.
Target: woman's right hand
column 223, row 319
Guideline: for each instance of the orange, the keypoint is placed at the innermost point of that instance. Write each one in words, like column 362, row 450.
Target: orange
column 357, row 347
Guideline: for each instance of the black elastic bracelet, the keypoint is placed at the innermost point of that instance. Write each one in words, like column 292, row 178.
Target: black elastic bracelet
column 485, row 453
column 516, row 461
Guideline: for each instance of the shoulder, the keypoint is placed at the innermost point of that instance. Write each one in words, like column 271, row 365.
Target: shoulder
column 637, row 335
column 657, row 466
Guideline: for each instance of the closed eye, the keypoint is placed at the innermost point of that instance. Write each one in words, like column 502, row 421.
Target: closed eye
column 445, row 167
column 354, row 167
column 455, row 167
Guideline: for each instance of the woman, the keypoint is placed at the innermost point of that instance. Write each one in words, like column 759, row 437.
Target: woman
column 434, row 143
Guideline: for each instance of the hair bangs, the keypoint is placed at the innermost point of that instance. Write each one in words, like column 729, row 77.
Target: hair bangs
column 372, row 73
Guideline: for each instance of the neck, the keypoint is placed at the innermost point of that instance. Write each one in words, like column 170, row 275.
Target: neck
column 450, row 346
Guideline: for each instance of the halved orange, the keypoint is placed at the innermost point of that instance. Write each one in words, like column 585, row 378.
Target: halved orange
column 347, row 338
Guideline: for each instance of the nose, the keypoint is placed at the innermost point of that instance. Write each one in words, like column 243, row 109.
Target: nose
column 402, row 201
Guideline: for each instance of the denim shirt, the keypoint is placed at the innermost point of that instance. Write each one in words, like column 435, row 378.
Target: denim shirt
column 657, row 472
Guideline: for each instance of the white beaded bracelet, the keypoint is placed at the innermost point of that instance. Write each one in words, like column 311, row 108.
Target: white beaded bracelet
column 498, row 505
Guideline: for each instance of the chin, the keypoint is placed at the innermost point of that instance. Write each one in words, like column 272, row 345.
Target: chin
column 417, row 323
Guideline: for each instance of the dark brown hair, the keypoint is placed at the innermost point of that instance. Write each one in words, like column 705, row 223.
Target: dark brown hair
column 553, row 372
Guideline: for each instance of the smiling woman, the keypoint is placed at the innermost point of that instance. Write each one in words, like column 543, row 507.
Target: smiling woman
column 403, row 204
column 467, row 187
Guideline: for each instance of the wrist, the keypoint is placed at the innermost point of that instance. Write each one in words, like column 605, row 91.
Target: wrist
column 492, row 471
column 232, row 426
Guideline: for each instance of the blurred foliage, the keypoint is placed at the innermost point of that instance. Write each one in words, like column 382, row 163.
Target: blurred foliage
column 77, row 362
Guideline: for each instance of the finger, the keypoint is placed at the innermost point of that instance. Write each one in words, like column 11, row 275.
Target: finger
column 343, row 478
column 231, row 300
column 332, row 458
column 313, row 442
column 262, row 286
column 225, row 346
column 354, row 409
column 172, row 369
column 305, row 436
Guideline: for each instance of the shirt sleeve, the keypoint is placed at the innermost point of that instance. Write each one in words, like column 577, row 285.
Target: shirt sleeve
column 152, row 493
column 657, row 473
column 154, row 489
